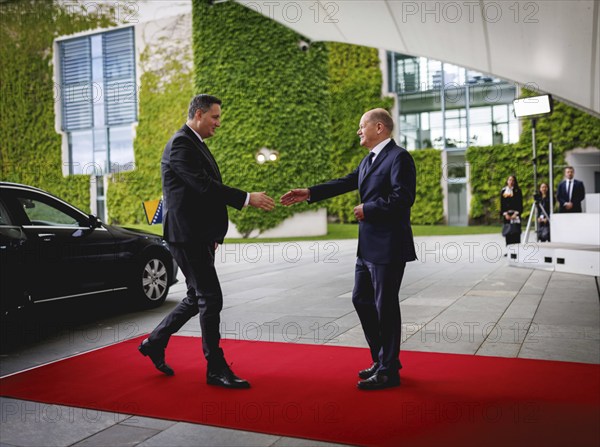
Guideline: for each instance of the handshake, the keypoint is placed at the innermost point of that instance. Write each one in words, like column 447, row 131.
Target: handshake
column 264, row 202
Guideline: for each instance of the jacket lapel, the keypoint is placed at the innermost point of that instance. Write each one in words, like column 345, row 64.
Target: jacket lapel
column 378, row 160
column 203, row 148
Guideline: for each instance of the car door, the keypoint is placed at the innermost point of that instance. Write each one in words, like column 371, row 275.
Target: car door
column 67, row 254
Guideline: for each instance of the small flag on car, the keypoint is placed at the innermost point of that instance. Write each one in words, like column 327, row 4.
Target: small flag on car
column 153, row 210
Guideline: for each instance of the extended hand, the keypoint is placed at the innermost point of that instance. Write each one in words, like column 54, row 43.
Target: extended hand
column 358, row 212
column 294, row 196
column 261, row 200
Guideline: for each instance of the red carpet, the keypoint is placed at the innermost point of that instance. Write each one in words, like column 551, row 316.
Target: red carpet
column 310, row 391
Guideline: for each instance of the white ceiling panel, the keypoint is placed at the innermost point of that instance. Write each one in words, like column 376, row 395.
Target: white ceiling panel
column 374, row 19
column 447, row 31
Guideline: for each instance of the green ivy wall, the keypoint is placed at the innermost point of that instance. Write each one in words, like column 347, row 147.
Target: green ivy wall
column 274, row 95
column 429, row 203
column 30, row 148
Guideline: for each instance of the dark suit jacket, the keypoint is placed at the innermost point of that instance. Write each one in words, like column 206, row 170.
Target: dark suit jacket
column 387, row 191
column 544, row 203
column 514, row 203
column 194, row 197
column 577, row 196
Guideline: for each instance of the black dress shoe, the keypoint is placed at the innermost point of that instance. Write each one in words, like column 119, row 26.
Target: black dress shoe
column 157, row 356
column 366, row 373
column 226, row 378
column 379, row 382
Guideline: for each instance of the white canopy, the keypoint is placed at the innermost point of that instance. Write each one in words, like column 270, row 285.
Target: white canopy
column 552, row 45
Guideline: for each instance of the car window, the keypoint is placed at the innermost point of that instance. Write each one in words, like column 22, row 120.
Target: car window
column 40, row 213
column 4, row 217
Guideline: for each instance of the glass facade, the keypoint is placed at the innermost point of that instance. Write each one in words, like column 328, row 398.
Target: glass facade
column 445, row 106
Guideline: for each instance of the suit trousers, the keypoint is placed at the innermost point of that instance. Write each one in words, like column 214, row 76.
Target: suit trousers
column 204, row 296
column 375, row 298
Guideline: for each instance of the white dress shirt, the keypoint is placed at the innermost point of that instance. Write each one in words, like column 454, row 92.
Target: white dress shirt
column 377, row 149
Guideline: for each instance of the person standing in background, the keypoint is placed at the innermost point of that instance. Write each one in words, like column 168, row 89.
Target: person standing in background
column 511, row 208
column 570, row 193
column 542, row 202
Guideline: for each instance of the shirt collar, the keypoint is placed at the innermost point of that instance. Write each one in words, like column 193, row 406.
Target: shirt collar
column 196, row 133
column 377, row 149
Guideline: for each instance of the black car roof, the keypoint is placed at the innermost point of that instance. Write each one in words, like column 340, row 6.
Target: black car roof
column 20, row 185
column 41, row 191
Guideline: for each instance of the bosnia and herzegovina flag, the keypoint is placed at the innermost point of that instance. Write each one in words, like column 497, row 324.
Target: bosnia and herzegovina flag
column 153, row 210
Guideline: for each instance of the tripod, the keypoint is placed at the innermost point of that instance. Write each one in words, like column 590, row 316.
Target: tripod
column 535, row 202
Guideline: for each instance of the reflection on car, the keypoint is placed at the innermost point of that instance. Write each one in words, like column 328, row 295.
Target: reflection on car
column 50, row 250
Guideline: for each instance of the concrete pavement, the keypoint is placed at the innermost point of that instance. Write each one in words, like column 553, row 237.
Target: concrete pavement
column 459, row 297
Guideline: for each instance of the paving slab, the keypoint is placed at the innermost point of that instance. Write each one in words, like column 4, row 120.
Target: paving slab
column 26, row 423
column 118, row 436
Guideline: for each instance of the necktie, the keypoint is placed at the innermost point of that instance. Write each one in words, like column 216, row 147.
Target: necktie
column 569, row 188
column 370, row 160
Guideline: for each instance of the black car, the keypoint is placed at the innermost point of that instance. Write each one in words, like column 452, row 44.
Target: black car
column 50, row 250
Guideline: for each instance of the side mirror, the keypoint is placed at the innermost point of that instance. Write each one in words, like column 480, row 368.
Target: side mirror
column 93, row 222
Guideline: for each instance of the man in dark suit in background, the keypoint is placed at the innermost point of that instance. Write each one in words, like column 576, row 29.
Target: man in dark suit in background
column 195, row 222
column 570, row 193
column 386, row 181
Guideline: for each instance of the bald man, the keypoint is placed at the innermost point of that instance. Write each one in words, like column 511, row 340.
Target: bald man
column 386, row 181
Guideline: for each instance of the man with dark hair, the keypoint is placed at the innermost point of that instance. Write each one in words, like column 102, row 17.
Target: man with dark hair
column 570, row 193
column 195, row 221
column 386, row 181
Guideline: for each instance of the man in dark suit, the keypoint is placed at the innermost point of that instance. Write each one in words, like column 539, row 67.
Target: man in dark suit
column 195, row 221
column 570, row 193
column 386, row 181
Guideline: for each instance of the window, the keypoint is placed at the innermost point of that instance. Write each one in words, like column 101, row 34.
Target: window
column 4, row 217
column 40, row 213
column 99, row 101
column 409, row 68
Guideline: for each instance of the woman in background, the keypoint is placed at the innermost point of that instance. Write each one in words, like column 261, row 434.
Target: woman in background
column 511, row 208
column 543, row 205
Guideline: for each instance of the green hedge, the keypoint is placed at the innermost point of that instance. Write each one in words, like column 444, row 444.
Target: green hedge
column 30, row 148
column 429, row 203
column 163, row 103
column 567, row 128
column 274, row 95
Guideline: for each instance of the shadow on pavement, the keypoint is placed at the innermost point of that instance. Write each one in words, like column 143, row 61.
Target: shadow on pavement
column 42, row 322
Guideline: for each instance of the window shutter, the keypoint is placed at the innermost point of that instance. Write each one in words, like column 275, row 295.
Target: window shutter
column 119, row 76
column 76, row 72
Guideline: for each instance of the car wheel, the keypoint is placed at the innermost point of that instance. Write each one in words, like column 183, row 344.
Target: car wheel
column 152, row 285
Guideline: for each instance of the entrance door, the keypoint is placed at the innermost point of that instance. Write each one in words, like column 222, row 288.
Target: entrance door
column 457, row 202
